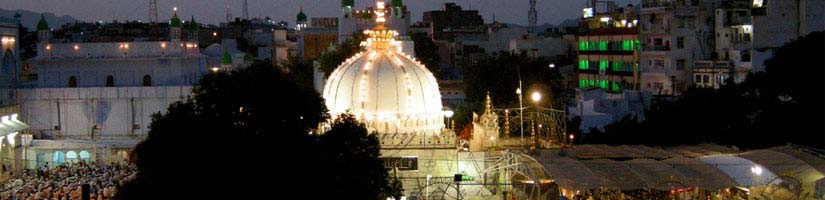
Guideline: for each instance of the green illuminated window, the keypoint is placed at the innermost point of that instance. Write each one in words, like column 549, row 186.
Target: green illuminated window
column 584, row 65
column 616, row 66
column 602, row 45
column 616, row 87
column 603, row 65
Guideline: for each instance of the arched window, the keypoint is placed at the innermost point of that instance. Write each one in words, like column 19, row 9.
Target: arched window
column 84, row 155
column 72, row 81
column 71, row 156
column 110, row 81
column 147, row 80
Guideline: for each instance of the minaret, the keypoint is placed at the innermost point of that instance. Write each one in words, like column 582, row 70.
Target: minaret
column 174, row 27
column 346, row 7
column 347, row 24
column 301, row 20
column 396, row 8
column 192, row 30
column 44, row 34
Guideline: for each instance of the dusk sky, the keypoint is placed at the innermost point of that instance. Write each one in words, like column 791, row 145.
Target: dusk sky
column 212, row 11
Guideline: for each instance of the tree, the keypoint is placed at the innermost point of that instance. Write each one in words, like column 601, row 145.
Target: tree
column 330, row 60
column 354, row 171
column 783, row 105
column 499, row 75
column 427, row 51
column 239, row 137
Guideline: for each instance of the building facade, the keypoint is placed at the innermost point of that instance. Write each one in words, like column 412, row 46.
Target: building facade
column 608, row 51
column 94, row 101
column 674, row 33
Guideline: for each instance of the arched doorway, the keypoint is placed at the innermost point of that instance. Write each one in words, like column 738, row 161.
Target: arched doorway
column 84, row 156
column 71, row 156
column 59, row 158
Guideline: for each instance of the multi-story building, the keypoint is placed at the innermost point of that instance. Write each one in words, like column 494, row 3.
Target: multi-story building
column 94, row 101
column 318, row 37
column 355, row 21
column 776, row 22
column 453, row 21
column 674, row 33
column 608, row 50
column 733, row 36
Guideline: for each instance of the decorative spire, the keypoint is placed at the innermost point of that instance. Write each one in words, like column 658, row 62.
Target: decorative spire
column 42, row 25
column 192, row 25
column 380, row 37
column 226, row 58
column 175, row 22
column 301, row 16
column 347, row 3
column 396, row 3
column 488, row 104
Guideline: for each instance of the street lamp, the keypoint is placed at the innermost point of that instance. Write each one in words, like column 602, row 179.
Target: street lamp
column 449, row 114
column 552, row 65
column 536, row 97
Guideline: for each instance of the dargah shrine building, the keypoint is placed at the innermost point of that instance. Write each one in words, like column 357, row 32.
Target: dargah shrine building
column 398, row 99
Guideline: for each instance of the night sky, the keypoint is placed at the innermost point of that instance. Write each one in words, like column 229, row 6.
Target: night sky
column 212, row 11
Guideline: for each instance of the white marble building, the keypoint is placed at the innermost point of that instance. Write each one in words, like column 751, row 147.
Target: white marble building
column 94, row 101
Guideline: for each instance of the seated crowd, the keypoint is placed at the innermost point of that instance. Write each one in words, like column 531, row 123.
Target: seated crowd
column 66, row 181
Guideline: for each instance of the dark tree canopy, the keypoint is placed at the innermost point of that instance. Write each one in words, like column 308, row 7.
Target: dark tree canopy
column 351, row 157
column 427, row 51
column 330, row 60
column 499, row 74
column 246, row 134
column 785, row 104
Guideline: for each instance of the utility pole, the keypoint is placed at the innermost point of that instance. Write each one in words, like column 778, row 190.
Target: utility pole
column 228, row 12
column 153, row 20
column 533, row 16
column 245, row 10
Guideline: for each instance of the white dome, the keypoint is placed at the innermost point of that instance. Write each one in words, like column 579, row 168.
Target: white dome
column 388, row 90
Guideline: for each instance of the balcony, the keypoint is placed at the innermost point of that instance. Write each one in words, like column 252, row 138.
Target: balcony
column 656, row 48
column 660, row 28
column 738, row 20
column 656, row 3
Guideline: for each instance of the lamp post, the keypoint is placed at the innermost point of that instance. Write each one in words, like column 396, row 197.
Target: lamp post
column 449, row 114
column 536, row 97
column 520, row 106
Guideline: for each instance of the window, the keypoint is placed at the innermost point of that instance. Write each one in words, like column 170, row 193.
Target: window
column 697, row 78
column 680, row 64
column 583, row 65
column 110, row 81
column 72, row 81
column 657, row 42
column 660, row 64
column 147, row 80
column 680, row 42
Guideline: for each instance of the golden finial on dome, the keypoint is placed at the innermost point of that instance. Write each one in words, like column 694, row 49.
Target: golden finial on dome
column 380, row 37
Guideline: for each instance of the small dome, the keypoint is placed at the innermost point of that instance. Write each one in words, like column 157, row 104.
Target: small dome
column 347, row 3
column 175, row 22
column 396, row 3
column 226, row 58
column 42, row 25
column 301, row 16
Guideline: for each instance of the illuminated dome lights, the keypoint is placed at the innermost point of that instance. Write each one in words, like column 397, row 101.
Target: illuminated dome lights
column 387, row 90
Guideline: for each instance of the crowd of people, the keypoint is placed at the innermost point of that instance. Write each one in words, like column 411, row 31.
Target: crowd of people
column 66, row 181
